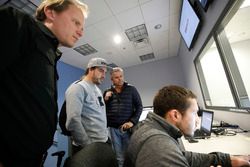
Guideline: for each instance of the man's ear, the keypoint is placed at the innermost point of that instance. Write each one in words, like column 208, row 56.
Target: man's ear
column 174, row 115
column 50, row 14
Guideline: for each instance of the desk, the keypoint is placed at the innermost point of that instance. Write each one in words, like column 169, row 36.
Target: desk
column 234, row 145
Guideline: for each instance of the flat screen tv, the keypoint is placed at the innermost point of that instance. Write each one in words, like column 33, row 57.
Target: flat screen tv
column 189, row 23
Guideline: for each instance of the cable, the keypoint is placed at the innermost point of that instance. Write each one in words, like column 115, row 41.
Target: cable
column 229, row 133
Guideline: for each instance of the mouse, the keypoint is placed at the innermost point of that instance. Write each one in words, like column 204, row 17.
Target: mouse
column 192, row 140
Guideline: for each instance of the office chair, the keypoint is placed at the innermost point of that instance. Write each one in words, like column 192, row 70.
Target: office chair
column 60, row 155
column 93, row 155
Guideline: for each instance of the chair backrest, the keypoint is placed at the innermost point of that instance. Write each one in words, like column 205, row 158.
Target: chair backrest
column 94, row 155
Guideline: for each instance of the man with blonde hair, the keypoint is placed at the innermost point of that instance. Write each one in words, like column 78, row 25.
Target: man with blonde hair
column 28, row 115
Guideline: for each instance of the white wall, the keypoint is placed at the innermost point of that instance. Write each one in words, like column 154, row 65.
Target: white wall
column 150, row 77
column 187, row 60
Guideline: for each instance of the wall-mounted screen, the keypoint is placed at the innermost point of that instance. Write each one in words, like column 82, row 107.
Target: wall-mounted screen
column 189, row 23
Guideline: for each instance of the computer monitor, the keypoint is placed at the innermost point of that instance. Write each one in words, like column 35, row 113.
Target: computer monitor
column 189, row 23
column 207, row 121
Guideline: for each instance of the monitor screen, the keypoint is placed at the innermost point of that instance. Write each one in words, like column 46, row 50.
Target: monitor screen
column 206, row 121
column 189, row 23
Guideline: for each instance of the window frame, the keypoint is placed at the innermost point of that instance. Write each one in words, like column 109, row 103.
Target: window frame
column 231, row 69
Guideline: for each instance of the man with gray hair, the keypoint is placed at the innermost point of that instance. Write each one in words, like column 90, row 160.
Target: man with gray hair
column 124, row 107
column 29, row 54
column 85, row 107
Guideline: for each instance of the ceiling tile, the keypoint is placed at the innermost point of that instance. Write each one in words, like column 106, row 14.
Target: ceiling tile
column 143, row 51
column 118, row 6
column 98, row 10
column 160, row 41
column 164, row 25
column 130, row 18
column 101, row 44
column 155, row 9
column 161, row 54
column 144, row 1
column 109, row 26
column 90, row 34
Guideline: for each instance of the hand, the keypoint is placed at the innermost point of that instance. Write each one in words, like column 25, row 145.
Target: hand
column 127, row 125
column 240, row 161
column 108, row 95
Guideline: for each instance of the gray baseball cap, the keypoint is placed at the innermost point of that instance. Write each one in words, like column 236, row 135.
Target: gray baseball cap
column 97, row 62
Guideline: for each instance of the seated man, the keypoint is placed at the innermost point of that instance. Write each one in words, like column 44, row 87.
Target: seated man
column 155, row 141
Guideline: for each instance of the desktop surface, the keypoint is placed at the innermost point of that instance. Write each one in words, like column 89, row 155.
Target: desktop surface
column 234, row 145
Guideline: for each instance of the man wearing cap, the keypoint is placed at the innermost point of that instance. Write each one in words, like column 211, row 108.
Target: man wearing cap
column 85, row 107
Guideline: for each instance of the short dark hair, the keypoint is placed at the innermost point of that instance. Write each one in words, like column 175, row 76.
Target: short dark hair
column 87, row 70
column 172, row 97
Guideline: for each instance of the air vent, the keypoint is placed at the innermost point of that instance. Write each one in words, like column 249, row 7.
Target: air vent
column 24, row 5
column 85, row 49
column 141, row 43
column 147, row 57
column 113, row 65
column 137, row 33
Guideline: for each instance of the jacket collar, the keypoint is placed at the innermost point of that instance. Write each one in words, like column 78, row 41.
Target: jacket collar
column 164, row 125
column 54, row 41
column 49, row 34
column 125, row 84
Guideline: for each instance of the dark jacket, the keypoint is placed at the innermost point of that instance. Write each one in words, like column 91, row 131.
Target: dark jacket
column 156, row 143
column 28, row 100
column 123, row 107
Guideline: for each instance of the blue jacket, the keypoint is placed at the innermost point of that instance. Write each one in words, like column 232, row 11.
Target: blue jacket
column 123, row 107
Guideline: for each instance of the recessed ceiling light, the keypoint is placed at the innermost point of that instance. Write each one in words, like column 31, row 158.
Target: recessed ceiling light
column 158, row 26
column 117, row 39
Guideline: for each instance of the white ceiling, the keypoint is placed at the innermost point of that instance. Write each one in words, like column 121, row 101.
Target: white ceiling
column 108, row 18
column 238, row 28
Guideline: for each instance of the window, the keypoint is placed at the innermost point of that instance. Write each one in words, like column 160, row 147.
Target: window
column 214, row 78
column 223, row 64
